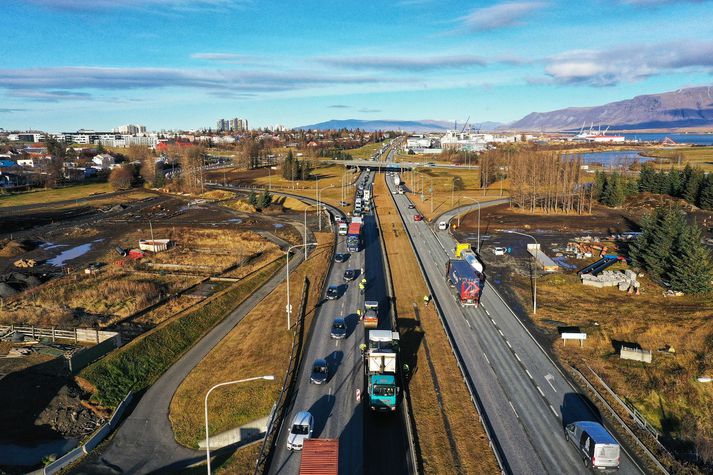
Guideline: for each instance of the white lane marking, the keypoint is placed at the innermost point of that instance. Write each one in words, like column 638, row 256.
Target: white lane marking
column 508, row 343
column 330, row 390
column 486, row 312
column 501, row 333
column 492, row 321
column 553, row 411
column 528, row 373
column 513, row 410
column 518, row 358
column 549, row 379
column 540, row 391
column 468, row 324
column 486, row 358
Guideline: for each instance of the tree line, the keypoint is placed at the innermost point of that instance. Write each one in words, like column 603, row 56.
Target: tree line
column 670, row 250
column 295, row 169
column 691, row 184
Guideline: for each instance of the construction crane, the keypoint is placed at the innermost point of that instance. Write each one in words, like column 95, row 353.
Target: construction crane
column 465, row 125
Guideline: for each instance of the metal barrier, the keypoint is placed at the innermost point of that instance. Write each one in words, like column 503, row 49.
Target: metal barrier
column 409, row 420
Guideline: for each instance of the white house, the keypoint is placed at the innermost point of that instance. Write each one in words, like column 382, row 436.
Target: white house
column 104, row 160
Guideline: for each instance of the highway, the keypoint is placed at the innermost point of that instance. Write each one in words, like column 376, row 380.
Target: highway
column 368, row 443
column 527, row 400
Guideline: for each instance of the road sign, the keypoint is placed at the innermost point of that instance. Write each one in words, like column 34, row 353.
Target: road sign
column 358, row 395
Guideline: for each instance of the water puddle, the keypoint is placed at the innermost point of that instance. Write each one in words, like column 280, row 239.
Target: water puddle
column 235, row 220
column 279, row 225
column 11, row 454
column 72, row 253
column 49, row 245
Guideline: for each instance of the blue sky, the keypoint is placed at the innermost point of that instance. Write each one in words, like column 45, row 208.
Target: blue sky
column 69, row 64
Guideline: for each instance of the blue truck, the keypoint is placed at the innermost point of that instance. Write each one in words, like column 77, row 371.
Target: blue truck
column 382, row 365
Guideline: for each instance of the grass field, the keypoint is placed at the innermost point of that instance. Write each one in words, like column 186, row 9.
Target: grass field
column 259, row 345
column 696, row 156
column 139, row 364
column 665, row 391
column 444, row 197
column 59, row 194
column 365, row 152
column 449, row 434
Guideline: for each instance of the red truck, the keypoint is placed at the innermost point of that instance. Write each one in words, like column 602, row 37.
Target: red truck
column 320, row 457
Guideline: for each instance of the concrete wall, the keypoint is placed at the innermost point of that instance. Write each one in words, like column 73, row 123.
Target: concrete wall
column 635, row 354
column 86, row 356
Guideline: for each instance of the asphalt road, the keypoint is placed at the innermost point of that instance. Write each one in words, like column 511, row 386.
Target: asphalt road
column 368, row 443
column 527, row 399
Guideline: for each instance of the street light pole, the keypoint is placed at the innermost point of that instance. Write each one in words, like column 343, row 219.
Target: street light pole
column 473, row 199
column 305, row 225
column 287, row 255
column 534, row 280
column 207, row 438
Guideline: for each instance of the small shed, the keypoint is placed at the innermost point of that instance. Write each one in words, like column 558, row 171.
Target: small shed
column 154, row 245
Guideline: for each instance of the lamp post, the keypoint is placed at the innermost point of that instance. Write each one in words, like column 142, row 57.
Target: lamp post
column 287, row 255
column 319, row 203
column 305, row 225
column 534, row 280
column 473, row 199
column 207, row 438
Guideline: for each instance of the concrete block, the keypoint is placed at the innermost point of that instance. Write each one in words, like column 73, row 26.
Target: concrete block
column 630, row 274
column 623, row 286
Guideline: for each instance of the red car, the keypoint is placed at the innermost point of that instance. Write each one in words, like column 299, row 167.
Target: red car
column 417, row 217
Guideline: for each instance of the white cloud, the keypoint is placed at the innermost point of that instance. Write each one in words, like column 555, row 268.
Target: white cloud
column 500, row 16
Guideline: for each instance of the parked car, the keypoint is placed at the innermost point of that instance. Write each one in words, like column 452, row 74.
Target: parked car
column 332, row 292
column 349, row 275
column 341, row 257
column 443, row 225
column 597, row 447
column 417, row 217
column 320, row 371
column 300, row 430
column 499, row 251
column 339, row 328
column 343, row 203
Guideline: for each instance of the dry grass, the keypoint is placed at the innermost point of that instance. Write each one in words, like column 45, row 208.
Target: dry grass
column 665, row 390
column 419, row 327
column 365, row 151
column 45, row 197
column 696, row 156
column 218, row 195
column 83, row 300
column 442, row 182
column 291, row 203
column 241, row 205
column 259, row 345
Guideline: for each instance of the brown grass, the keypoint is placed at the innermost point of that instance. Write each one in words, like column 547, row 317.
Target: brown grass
column 81, row 300
column 218, row 195
column 419, row 327
column 259, row 345
column 665, row 390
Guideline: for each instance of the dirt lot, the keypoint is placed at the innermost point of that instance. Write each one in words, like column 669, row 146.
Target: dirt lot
column 447, row 425
column 665, row 391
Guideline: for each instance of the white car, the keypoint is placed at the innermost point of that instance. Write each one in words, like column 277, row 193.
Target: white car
column 300, row 430
column 499, row 251
column 443, row 225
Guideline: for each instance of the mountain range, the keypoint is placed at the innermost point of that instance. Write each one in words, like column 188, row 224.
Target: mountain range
column 406, row 125
column 685, row 108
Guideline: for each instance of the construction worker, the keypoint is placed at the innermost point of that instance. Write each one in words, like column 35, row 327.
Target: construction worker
column 362, row 348
column 426, row 299
column 362, row 286
column 363, row 281
column 359, row 314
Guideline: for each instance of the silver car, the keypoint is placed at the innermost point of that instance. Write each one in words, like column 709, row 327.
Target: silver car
column 597, row 447
column 300, row 430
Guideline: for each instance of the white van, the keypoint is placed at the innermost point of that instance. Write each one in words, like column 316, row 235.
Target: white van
column 595, row 444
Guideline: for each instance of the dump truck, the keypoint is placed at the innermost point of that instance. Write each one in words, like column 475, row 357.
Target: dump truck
column 320, row 457
column 465, row 280
column 371, row 314
column 381, row 366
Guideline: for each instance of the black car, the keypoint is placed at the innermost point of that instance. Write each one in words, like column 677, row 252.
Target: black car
column 411, row 206
column 349, row 275
column 320, row 371
column 333, row 292
column 339, row 257
column 339, row 329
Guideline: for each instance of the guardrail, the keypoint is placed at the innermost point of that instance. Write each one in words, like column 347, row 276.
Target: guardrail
column 407, row 414
column 492, row 440
column 616, row 416
column 84, row 335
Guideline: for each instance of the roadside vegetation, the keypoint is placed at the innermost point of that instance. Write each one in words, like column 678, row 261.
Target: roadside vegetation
column 137, row 365
column 679, row 156
column 450, row 438
column 44, row 197
column 259, row 345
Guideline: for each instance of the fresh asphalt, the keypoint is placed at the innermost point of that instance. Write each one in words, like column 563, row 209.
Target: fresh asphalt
column 526, row 398
column 368, row 443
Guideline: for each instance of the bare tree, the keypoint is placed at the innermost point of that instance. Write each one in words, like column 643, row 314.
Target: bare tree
column 141, row 154
column 122, row 177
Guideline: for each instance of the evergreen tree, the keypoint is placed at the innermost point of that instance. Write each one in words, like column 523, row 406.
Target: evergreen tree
column 613, row 193
column 252, row 199
column 667, row 224
column 706, row 195
column 662, row 183
column 287, row 166
column 692, row 185
column 265, row 199
column 600, row 179
column 692, row 269
column 647, row 178
column 675, row 183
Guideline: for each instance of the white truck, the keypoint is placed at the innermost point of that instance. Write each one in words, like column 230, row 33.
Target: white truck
column 397, row 179
column 343, row 227
column 367, row 193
